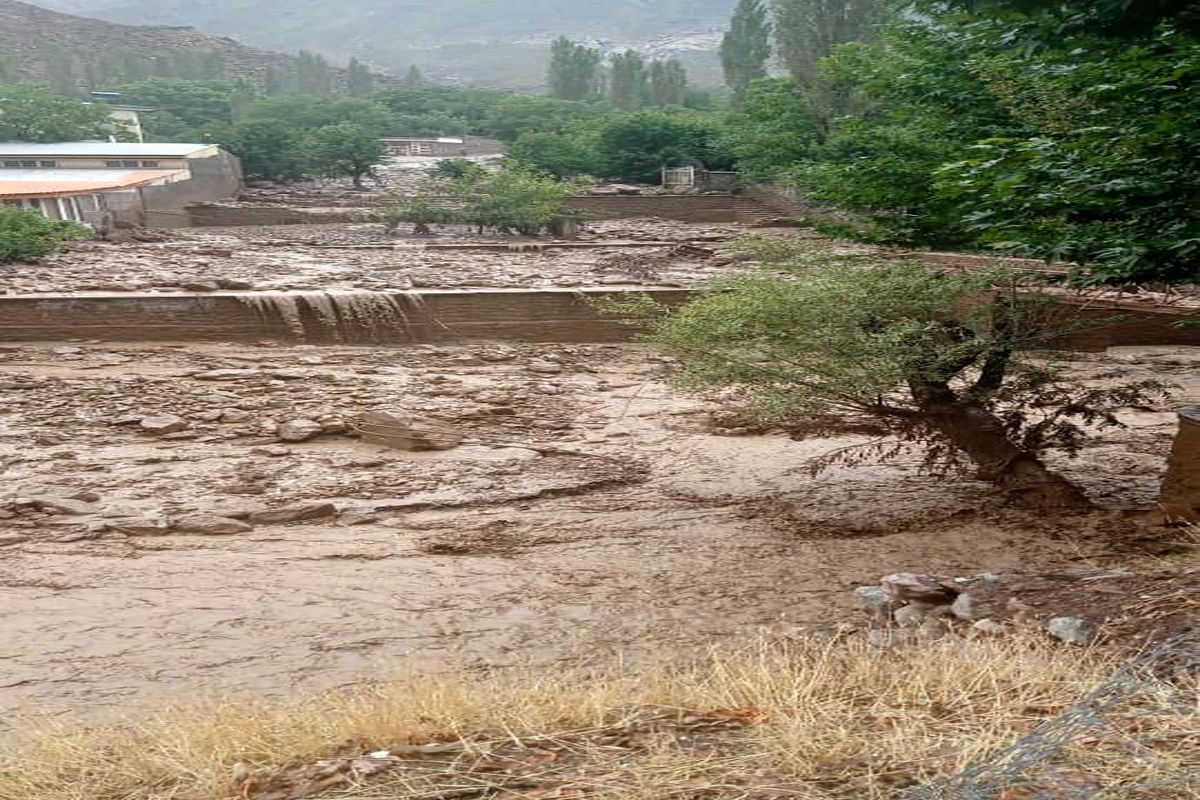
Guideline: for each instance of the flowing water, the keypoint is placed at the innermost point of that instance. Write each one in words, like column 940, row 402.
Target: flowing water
column 337, row 315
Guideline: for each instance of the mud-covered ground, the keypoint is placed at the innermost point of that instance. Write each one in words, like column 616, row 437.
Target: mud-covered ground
column 592, row 509
column 364, row 256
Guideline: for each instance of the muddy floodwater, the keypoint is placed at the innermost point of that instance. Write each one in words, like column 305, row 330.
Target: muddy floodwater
column 591, row 509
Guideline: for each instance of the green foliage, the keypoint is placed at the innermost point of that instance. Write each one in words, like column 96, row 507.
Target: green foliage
column 313, row 75
column 898, row 349
column 520, row 201
column 268, row 149
column 560, row 154
column 420, row 214
column 346, row 149
column 767, row 249
column 28, row 236
column 458, row 169
column 668, row 84
column 746, row 47
column 35, row 114
column 628, row 82
column 575, row 70
column 1045, row 130
column 308, row 112
column 359, row 79
column 774, row 130
column 636, row 147
column 185, row 108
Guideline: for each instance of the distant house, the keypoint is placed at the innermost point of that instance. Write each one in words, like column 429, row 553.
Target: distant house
column 126, row 119
column 116, row 183
column 445, row 146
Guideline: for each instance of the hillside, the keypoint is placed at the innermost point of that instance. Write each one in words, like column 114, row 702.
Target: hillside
column 486, row 41
column 65, row 50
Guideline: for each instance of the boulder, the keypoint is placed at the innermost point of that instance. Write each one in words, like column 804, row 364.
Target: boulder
column 294, row 513
column 1072, row 630
column 138, row 526
column 163, row 424
column 63, row 505
column 963, row 607
column 909, row 587
column 406, row 431
column 209, row 525
column 299, row 430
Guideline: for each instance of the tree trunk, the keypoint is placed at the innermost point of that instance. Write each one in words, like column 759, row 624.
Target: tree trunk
column 981, row 436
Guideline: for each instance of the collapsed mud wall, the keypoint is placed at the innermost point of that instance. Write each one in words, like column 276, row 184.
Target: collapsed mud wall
column 683, row 208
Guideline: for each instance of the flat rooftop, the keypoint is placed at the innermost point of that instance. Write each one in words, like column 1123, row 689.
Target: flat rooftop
column 115, row 149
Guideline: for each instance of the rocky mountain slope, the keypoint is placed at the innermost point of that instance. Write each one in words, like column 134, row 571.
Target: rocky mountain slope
column 37, row 44
column 486, row 41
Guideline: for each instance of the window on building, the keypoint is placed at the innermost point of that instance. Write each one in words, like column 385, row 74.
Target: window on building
column 112, row 163
column 129, row 164
column 11, row 164
column 149, row 164
column 48, row 164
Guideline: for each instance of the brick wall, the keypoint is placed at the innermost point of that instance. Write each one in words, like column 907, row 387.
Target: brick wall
column 535, row 316
column 682, row 207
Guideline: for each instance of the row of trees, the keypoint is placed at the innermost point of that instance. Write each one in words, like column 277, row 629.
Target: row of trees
column 579, row 72
column 1059, row 130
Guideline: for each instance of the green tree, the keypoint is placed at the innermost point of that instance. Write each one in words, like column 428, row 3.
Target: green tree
column 268, row 149
column 628, row 81
column 561, row 154
column 359, row 80
column 344, row 150
column 313, row 75
column 519, row 200
column 909, row 352
column 414, row 76
column 28, row 236
column 306, row 112
column 35, row 114
column 807, row 31
column 774, row 131
column 575, row 70
column 746, row 47
column 185, row 108
column 636, row 147
column 668, row 83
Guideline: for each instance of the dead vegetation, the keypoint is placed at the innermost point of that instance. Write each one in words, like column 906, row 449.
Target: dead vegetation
column 825, row 720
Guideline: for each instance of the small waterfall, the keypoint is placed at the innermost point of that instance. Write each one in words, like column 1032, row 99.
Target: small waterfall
column 341, row 315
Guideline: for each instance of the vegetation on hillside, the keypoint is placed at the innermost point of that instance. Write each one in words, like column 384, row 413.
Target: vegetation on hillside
column 35, row 114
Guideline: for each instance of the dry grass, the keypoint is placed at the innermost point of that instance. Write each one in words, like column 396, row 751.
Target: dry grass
column 813, row 720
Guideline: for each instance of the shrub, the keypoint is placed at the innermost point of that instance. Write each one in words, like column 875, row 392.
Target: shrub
column 28, row 236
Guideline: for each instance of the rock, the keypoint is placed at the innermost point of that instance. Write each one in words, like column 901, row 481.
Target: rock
column 64, row 505
column 163, row 424
column 299, row 430
column 294, row 513
column 138, row 526
column 406, row 432
column 225, row 374
column 210, row 525
column 963, row 607
column 931, row 629
column 908, row 616
column 987, row 627
column 921, row 588
column 1072, row 630
column 235, row 509
column 887, row 638
column 875, row 599
column 358, row 518
column 545, row 367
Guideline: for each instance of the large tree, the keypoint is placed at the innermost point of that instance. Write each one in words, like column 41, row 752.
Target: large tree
column 628, row 81
column 807, row 31
column 920, row 358
column 575, row 70
column 746, row 47
column 668, row 83
column 36, row 114
column 344, row 150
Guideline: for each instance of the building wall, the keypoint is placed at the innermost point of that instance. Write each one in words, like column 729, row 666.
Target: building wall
column 101, row 162
column 216, row 178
